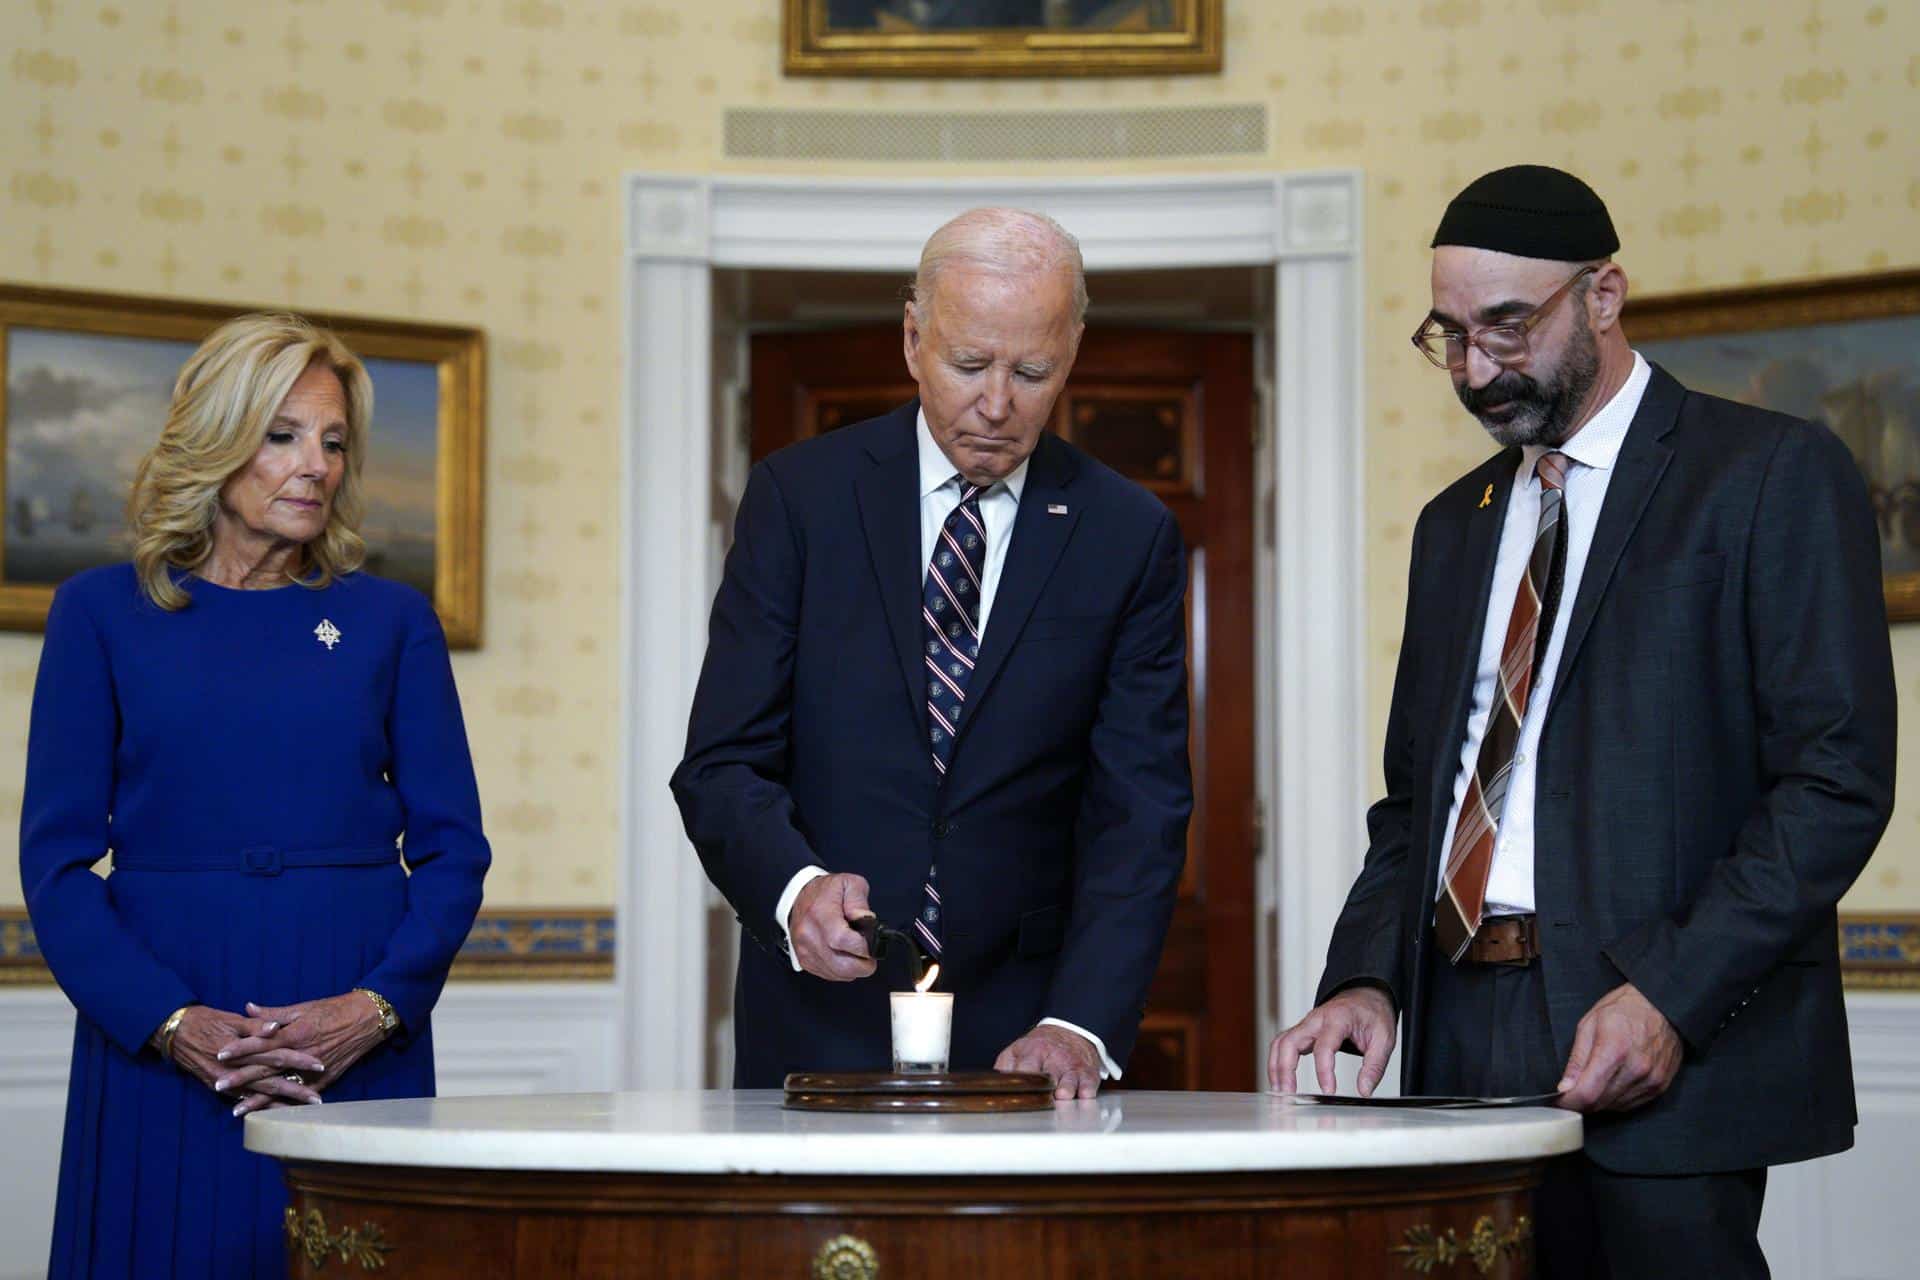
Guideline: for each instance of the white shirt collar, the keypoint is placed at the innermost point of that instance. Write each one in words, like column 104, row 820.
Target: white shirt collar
column 1597, row 444
column 936, row 469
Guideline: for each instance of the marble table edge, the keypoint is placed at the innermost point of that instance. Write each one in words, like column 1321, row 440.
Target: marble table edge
column 827, row 1144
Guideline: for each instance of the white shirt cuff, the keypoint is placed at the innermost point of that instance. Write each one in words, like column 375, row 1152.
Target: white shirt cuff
column 1108, row 1071
column 784, row 908
column 807, row 875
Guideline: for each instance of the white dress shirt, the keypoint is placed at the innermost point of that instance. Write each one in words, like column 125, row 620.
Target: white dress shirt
column 1591, row 454
column 940, row 487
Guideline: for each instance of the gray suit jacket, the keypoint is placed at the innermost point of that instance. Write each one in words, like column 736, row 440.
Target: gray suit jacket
column 1715, row 770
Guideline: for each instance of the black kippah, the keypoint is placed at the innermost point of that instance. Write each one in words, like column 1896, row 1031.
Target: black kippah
column 1531, row 211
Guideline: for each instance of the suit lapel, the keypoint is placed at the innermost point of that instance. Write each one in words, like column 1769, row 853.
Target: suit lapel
column 1038, row 539
column 1474, row 562
column 888, row 494
column 1643, row 459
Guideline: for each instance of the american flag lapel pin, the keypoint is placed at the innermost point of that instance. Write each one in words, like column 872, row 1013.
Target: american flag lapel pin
column 1056, row 508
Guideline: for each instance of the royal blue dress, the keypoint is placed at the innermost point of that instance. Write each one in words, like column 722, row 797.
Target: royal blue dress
column 258, row 763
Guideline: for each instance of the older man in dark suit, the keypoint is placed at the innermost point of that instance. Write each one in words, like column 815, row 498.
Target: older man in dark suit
column 946, row 684
column 1641, row 741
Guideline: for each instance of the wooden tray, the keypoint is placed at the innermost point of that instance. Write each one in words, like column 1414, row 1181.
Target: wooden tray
column 961, row 1091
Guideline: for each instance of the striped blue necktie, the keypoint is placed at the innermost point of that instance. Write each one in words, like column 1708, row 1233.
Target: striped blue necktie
column 950, row 615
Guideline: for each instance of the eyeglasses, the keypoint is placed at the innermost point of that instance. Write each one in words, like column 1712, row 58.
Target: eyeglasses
column 1504, row 343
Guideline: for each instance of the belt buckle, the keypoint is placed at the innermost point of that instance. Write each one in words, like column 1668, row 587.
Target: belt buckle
column 1522, row 939
column 262, row 860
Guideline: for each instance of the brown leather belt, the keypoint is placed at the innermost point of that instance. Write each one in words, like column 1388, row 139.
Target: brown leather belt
column 1511, row 940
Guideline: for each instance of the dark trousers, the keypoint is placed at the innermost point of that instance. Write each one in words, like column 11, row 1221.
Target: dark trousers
column 1488, row 1034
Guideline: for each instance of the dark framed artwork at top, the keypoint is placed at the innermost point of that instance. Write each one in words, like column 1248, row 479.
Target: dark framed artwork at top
column 1843, row 352
column 87, row 381
column 1003, row 37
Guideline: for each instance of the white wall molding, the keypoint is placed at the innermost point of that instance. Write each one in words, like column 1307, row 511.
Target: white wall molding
column 1312, row 678
column 1317, row 775
column 527, row 1037
column 1320, row 216
column 1121, row 223
column 666, row 513
column 36, row 1047
column 1846, row 1217
column 489, row 1037
column 667, row 220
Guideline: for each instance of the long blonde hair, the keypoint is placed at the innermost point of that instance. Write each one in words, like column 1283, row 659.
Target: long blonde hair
column 224, row 399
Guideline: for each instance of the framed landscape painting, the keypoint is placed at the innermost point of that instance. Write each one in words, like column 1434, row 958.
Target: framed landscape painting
column 87, row 380
column 1844, row 352
column 1003, row 37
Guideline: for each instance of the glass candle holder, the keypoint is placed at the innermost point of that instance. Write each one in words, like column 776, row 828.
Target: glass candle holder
column 922, row 1031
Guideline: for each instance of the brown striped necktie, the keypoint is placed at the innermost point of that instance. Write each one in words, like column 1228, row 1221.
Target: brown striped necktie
column 1463, row 899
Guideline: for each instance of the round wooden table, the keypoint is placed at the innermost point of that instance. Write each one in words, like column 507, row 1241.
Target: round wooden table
column 727, row 1184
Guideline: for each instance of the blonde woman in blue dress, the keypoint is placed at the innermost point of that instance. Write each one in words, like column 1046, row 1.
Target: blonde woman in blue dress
column 269, row 744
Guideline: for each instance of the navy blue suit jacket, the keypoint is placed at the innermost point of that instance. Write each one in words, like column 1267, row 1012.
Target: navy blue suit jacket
column 1060, row 826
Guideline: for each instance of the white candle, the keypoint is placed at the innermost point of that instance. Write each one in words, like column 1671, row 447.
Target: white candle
column 922, row 1027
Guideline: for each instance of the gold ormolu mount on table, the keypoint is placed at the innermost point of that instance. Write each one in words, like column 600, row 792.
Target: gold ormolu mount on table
column 959, row 1091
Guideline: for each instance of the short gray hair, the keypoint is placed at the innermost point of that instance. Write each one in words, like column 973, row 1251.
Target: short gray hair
column 1013, row 241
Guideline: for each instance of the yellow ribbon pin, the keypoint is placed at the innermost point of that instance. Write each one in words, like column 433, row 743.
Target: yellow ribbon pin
column 1486, row 499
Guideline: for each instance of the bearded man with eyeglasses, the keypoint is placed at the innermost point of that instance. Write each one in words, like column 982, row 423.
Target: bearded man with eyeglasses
column 1641, row 742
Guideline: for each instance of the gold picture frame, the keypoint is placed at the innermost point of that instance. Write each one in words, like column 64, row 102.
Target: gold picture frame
column 1065, row 38
column 84, row 383
column 1844, row 351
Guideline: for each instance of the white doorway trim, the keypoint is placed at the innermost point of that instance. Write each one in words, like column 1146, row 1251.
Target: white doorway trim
column 1309, row 623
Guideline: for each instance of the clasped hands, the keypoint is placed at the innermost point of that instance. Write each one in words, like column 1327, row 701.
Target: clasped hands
column 250, row 1056
column 820, row 931
column 1625, row 1052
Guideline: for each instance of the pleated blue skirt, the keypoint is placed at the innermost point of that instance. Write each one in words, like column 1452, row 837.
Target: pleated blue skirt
column 154, row 1181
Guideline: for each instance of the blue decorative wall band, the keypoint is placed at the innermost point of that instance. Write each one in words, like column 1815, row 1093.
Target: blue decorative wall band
column 1881, row 950
column 541, row 944
column 553, row 943
column 17, row 943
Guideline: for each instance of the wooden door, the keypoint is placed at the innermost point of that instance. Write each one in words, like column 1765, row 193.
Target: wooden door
column 1174, row 411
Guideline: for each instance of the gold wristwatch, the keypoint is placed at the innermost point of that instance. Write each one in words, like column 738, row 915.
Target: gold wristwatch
column 389, row 1020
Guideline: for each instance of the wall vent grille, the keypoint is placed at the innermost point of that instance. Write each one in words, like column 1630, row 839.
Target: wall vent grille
column 961, row 137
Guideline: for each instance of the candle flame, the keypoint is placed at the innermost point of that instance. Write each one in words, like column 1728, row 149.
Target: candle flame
column 933, row 971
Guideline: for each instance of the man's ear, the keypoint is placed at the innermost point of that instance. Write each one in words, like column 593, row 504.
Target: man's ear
column 910, row 341
column 1606, row 296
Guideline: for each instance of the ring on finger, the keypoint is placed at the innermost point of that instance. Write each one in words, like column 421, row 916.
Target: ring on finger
column 294, row 1076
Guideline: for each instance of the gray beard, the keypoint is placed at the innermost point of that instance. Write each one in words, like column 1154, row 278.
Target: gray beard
column 1544, row 413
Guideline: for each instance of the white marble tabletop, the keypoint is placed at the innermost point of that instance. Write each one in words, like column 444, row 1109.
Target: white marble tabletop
column 747, row 1132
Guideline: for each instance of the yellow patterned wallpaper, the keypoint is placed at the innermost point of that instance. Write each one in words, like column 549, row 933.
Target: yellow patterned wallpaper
column 461, row 160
